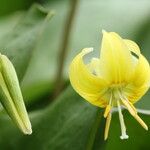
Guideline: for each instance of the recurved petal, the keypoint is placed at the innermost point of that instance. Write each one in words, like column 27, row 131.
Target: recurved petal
column 88, row 85
column 141, row 75
column 116, row 58
column 140, row 81
column 142, row 72
column 94, row 66
column 134, row 93
column 133, row 47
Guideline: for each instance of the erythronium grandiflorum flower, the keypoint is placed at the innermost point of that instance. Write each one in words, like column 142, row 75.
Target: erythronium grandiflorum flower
column 120, row 77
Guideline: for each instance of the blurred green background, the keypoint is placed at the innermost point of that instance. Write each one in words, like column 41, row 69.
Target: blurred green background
column 32, row 35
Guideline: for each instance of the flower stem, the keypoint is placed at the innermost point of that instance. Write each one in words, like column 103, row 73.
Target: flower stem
column 63, row 48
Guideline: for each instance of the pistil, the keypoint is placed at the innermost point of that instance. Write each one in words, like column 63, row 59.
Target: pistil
column 123, row 128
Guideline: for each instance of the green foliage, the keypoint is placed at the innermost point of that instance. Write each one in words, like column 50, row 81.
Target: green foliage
column 21, row 40
column 59, row 126
column 32, row 42
column 72, row 123
column 138, row 137
column 9, row 6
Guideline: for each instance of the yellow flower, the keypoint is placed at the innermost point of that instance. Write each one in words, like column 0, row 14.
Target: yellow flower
column 119, row 77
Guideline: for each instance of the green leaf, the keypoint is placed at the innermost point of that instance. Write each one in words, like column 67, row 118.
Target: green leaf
column 9, row 6
column 72, row 123
column 68, row 123
column 40, row 76
column 18, row 44
column 9, row 22
column 138, row 137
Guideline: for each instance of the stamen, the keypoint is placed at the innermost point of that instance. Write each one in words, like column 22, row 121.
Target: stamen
column 129, row 106
column 132, row 106
column 107, row 126
column 141, row 122
column 107, row 110
column 123, row 128
column 131, row 109
column 108, row 107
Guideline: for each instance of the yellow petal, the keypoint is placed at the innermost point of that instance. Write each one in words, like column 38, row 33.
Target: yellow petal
column 142, row 72
column 142, row 68
column 88, row 85
column 117, row 64
column 140, row 82
column 132, row 46
column 141, row 76
column 134, row 93
column 135, row 51
column 94, row 66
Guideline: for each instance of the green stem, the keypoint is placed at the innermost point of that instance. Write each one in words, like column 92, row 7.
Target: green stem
column 96, row 132
column 63, row 48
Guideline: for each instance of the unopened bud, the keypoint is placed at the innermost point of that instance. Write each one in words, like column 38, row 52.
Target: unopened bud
column 11, row 96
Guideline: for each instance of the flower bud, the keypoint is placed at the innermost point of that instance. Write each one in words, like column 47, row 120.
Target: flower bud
column 11, row 96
